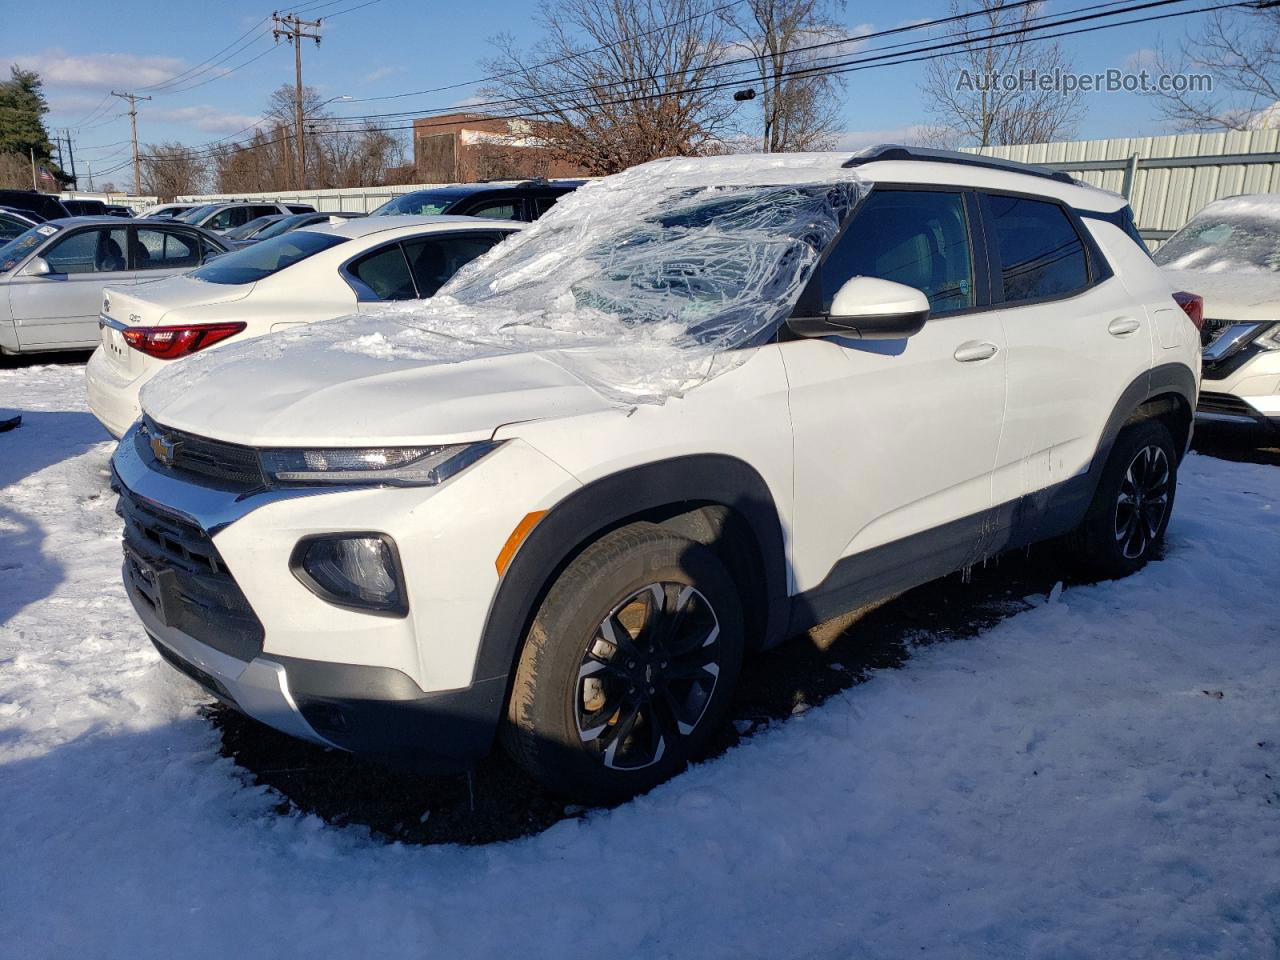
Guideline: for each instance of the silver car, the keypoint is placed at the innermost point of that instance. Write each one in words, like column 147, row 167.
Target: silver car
column 51, row 276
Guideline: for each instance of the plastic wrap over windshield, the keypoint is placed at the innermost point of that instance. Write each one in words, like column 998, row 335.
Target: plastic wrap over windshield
column 642, row 285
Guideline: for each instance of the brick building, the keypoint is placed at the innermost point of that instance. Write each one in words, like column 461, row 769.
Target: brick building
column 465, row 147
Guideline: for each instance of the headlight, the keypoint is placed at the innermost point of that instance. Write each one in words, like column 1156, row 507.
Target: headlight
column 360, row 570
column 394, row 466
column 1271, row 339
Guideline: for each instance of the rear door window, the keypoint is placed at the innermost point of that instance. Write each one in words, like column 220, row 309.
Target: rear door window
column 384, row 274
column 157, row 249
column 1040, row 254
column 435, row 259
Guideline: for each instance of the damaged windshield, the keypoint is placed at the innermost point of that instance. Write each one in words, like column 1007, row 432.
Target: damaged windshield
column 641, row 284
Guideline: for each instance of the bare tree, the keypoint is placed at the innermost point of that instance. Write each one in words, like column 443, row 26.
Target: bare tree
column 1240, row 50
column 797, row 112
column 976, row 95
column 618, row 82
column 171, row 170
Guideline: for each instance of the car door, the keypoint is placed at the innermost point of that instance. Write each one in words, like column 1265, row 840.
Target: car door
column 61, row 308
column 1075, row 340
column 895, row 440
column 157, row 252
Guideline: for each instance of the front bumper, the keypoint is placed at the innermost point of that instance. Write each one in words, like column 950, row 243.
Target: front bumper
column 374, row 711
column 211, row 581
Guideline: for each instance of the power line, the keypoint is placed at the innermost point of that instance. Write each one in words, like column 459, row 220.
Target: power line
column 295, row 30
column 963, row 38
column 918, row 54
column 133, row 99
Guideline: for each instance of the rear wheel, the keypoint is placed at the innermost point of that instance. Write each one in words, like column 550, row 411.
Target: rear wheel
column 1130, row 511
column 628, row 666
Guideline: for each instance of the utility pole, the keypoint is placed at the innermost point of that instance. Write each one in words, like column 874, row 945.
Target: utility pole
column 292, row 28
column 71, row 155
column 133, row 99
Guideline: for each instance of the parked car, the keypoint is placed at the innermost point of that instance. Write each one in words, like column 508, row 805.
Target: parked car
column 13, row 223
column 1229, row 254
column 700, row 407
column 246, row 233
column 49, row 208
column 51, row 276
column 315, row 273
column 118, row 210
column 85, row 208
column 525, row 201
column 220, row 217
column 297, row 220
column 171, row 210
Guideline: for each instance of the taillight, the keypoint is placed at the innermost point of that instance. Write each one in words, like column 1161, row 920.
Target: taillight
column 1193, row 304
column 170, row 343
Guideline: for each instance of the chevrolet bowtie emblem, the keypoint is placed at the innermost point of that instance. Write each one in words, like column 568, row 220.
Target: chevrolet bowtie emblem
column 163, row 448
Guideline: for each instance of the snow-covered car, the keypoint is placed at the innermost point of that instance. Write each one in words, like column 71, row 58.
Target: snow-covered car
column 51, row 276
column 695, row 409
column 1229, row 254
column 316, row 273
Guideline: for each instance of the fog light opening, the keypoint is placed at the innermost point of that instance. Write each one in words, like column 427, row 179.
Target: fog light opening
column 359, row 571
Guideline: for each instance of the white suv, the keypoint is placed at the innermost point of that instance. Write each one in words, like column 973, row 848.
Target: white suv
column 697, row 408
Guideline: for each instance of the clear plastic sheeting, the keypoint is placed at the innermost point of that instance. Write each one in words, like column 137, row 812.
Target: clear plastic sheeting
column 642, row 285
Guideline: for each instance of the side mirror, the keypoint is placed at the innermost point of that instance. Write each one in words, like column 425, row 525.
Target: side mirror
column 38, row 267
column 868, row 308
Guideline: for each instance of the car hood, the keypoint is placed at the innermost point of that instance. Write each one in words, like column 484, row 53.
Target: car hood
column 1242, row 296
column 290, row 390
column 147, row 303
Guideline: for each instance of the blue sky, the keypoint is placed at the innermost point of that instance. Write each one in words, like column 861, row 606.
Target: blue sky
column 392, row 46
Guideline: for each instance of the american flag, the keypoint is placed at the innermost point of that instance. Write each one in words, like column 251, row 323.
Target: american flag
column 46, row 176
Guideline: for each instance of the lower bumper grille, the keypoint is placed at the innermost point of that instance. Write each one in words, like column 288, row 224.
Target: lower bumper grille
column 172, row 565
column 1224, row 404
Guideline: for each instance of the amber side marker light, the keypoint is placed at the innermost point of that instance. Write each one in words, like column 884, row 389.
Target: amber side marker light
column 518, row 535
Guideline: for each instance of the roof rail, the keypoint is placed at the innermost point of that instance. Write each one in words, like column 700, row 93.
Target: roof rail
column 896, row 151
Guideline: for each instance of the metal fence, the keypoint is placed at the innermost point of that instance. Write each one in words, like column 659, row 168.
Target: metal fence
column 1165, row 179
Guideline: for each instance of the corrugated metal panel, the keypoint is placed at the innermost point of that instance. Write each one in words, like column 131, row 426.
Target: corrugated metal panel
column 1166, row 195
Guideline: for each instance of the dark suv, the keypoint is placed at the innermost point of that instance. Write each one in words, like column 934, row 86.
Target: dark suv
column 48, row 207
column 525, row 201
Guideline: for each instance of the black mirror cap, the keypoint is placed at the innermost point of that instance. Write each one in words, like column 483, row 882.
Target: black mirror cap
column 883, row 326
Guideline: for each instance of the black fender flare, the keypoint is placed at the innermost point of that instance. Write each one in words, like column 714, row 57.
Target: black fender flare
column 603, row 504
column 1160, row 380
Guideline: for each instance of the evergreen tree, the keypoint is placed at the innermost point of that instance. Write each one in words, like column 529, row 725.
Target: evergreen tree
column 22, row 111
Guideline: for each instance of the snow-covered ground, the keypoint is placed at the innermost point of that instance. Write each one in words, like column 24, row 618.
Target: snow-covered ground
column 1096, row 777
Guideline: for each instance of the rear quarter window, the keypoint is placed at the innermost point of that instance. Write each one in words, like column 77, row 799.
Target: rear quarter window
column 1041, row 255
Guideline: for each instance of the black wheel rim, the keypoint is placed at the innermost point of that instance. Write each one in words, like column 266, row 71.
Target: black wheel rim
column 1142, row 502
column 648, row 674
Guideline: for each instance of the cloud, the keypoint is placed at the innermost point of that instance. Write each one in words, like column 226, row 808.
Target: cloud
column 97, row 70
column 381, row 74
column 1143, row 59
column 206, row 118
column 915, row 133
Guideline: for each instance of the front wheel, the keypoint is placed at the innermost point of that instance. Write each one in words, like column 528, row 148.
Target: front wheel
column 1126, row 521
column 628, row 666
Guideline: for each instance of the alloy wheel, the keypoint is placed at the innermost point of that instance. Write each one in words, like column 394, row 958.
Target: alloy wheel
column 648, row 674
column 1143, row 501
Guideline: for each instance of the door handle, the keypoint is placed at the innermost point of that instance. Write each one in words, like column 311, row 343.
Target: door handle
column 1122, row 326
column 973, row 350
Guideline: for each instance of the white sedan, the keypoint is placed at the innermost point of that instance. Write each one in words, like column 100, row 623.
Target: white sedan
column 315, row 273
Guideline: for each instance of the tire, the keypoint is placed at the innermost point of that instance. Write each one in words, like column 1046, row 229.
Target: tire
column 628, row 667
column 1126, row 521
